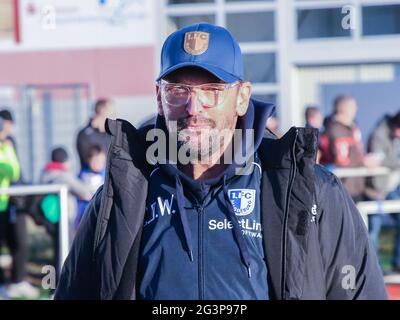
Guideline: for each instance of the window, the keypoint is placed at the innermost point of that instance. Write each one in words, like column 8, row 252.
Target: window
column 189, row 1
column 259, row 26
column 378, row 20
column 259, row 67
column 254, row 27
column 397, row 70
column 6, row 20
column 248, row 0
column 182, row 21
column 320, row 23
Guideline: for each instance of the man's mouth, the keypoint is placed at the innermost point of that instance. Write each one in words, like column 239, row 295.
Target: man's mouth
column 196, row 124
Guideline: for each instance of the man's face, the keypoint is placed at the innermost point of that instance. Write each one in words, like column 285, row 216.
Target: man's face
column 396, row 132
column 196, row 123
column 349, row 107
column 316, row 120
column 97, row 162
column 109, row 111
column 8, row 127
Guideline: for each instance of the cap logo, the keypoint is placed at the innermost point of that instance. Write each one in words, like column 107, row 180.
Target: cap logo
column 196, row 42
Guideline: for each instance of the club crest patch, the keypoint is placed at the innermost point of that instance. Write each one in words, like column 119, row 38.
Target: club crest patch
column 196, row 42
column 243, row 200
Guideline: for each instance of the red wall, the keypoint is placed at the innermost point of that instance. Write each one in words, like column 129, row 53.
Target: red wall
column 110, row 72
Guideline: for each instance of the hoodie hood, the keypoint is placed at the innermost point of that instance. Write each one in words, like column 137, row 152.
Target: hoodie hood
column 255, row 118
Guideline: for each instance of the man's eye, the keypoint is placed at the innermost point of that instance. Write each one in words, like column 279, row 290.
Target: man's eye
column 176, row 90
column 180, row 92
column 212, row 88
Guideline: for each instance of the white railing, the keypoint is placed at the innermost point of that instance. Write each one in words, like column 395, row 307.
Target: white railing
column 370, row 207
column 62, row 191
column 361, row 172
column 365, row 207
column 377, row 207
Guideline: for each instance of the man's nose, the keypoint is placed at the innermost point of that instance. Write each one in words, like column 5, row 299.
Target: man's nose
column 194, row 105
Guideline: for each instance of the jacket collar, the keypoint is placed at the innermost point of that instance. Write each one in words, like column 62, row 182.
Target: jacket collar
column 273, row 152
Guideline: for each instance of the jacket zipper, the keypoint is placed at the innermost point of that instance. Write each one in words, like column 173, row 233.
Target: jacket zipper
column 286, row 214
column 200, row 210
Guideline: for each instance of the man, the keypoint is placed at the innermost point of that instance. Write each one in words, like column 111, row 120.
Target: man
column 165, row 228
column 94, row 133
column 313, row 117
column 341, row 145
column 384, row 142
column 13, row 231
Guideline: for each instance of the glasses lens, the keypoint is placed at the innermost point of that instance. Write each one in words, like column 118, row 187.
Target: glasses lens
column 175, row 95
column 212, row 96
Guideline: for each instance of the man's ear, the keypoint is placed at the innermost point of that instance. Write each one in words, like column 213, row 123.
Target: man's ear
column 243, row 98
column 159, row 103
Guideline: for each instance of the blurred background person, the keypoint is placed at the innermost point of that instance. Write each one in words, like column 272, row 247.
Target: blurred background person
column 95, row 133
column 8, row 124
column 12, row 225
column 341, row 145
column 384, row 142
column 92, row 177
column 313, row 117
column 273, row 125
column 58, row 171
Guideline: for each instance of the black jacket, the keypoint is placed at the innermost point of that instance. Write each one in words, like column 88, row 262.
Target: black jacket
column 314, row 238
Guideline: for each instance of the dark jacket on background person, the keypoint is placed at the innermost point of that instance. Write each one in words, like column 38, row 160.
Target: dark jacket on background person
column 341, row 146
column 313, row 235
column 384, row 144
column 88, row 137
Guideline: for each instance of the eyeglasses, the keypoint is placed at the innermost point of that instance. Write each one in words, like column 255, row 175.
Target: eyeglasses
column 209, row 94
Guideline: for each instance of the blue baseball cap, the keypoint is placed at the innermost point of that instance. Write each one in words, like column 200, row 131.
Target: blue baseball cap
column 206, row 46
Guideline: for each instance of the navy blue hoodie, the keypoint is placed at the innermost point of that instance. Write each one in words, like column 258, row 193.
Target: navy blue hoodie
column 203, row 239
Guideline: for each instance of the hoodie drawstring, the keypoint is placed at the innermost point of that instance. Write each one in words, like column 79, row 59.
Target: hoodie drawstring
column 183, row 216
column 243, row 246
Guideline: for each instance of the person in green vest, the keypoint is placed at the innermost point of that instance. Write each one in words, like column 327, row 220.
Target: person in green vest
column 13, row 229
column 9, row 168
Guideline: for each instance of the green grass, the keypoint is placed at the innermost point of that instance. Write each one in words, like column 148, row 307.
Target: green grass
column 40, row 254
column 386, row 247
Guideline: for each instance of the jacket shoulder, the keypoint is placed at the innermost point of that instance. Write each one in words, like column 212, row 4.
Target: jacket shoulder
column 323, row 177
column 344, row 243
column 78, row 279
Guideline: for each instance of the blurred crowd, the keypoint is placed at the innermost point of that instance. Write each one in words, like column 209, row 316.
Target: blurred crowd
column 340, row 146
column 92, row 145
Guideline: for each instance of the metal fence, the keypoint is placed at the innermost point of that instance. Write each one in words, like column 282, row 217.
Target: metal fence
column 370, row 207
column 62, row 191
column 46, row 116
